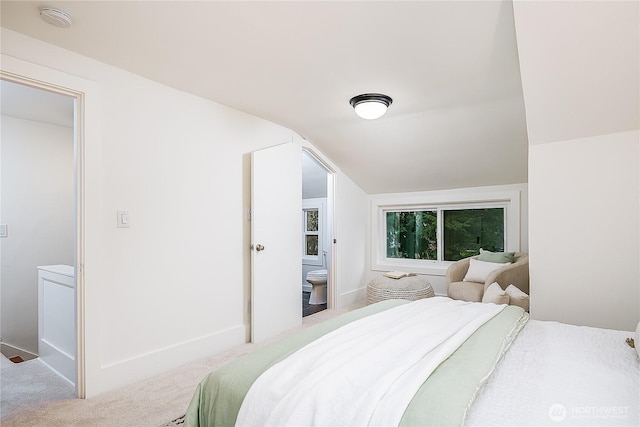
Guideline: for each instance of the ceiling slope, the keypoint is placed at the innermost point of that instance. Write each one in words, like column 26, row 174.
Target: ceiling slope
column 457, row 119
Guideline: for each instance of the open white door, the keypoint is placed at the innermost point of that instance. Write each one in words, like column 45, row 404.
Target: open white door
column 276, row 228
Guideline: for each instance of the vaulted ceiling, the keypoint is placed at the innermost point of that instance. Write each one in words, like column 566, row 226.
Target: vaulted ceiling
column 457, row 118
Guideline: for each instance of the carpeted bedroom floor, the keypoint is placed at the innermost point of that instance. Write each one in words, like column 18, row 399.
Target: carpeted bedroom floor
column 29, row 384
column 154, row 402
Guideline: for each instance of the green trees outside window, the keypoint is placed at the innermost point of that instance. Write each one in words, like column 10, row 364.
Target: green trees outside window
column 311, row 232
column 413, row 234
column 468, row 230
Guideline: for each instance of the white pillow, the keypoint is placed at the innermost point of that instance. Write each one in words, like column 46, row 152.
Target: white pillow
column 479, row 270
column 495, row 294
column 517, row 297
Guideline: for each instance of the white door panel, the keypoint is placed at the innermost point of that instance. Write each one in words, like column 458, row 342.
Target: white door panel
column 276, row 223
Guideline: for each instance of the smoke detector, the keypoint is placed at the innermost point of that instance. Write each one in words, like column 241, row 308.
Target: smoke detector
column 56, row 17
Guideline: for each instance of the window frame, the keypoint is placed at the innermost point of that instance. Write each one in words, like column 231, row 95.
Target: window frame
column 313, row 205
column 439, row 201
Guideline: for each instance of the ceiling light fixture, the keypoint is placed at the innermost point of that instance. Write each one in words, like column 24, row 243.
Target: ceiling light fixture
column 370, row 105
column 56, row 17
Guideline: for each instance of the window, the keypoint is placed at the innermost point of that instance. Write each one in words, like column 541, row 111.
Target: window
column 468, row 230
column 312, row 231
column 424, row 234
column 414, row 234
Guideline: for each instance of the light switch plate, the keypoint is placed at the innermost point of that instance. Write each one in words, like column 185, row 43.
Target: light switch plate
column 123, row 219
column 4, row 230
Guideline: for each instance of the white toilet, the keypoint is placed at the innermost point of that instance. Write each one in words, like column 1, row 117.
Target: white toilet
column 318, row 280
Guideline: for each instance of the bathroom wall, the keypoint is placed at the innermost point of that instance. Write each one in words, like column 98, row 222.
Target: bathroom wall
column 37, row 180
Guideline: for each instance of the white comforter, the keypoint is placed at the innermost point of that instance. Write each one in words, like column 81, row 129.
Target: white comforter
column 558, row 375
column 366, row 372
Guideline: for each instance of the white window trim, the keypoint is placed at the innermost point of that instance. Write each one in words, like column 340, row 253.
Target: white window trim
column 309, row 204
column 463, row 199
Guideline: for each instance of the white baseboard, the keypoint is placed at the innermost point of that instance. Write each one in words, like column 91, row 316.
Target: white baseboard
column 352, row 297
column 56, row 372
column 124, row 372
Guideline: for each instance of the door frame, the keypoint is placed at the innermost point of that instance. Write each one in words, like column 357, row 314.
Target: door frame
column 330, row 221
column 79, row 221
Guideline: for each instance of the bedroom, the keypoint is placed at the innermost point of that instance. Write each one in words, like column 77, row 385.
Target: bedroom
column 151, row 170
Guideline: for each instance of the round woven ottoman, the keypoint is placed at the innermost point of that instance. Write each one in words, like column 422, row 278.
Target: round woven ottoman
column 410, row 288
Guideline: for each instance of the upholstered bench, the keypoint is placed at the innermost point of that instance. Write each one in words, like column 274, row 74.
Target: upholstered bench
column 410, row 288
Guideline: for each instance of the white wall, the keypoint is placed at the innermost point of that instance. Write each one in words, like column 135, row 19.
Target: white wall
column 37, row 178
column 580, row 63
column 174, row 287
column 351, row 237
column 584, row 231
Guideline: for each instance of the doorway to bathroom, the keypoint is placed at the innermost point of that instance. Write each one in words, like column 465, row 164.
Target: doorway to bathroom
column 38, row 242
column 316, row 234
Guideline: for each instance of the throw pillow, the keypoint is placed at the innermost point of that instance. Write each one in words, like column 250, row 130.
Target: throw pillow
column 495, row 294
column 517, row 297
column 637, row 339
column 479, row 270
column 489, row 256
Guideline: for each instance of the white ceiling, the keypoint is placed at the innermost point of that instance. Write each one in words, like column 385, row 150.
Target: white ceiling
column 451, row 67
column 314, row 178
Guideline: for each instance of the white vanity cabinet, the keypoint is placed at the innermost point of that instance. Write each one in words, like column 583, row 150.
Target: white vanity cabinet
column 57, row 319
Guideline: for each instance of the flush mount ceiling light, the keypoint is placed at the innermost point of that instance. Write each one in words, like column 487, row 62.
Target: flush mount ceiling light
column 370, row 105
column 56, row 17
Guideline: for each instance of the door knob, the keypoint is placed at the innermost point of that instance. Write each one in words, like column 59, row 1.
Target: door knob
column 259, row 248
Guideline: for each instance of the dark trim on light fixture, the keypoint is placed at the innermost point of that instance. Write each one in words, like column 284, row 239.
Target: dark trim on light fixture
column 371, row 98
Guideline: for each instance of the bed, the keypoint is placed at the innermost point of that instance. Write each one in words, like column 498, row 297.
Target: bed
column 457, row 364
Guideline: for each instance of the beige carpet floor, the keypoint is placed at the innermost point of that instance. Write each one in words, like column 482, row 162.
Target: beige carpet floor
column 29, row 384
column 153, row 402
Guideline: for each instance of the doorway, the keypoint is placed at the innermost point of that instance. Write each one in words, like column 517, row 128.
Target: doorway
column 316, row 234
column 39, row 243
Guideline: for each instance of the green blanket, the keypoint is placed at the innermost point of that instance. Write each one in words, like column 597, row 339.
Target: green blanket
column 443, row 399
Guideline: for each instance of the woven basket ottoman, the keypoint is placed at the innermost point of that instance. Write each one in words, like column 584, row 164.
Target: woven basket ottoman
column 410, row 288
